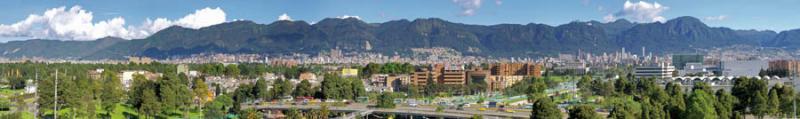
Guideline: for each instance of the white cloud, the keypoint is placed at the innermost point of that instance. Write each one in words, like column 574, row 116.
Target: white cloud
column 284, row 17
column 348, row 16
column 76, row 23
column 202, row 18
column 640, row 12
column 609, row 18
column 468, row 7
column 716, row 18
column 498, row 2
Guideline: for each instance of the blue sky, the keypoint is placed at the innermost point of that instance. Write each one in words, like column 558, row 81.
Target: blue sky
column 776, row 15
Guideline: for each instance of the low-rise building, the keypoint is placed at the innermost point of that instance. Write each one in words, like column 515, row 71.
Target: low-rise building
column 30, row 86
column 500, row 83
column 139, row 60
column 349, row 72
column 659, row 71
column 307, row 76
column 572, row 68
column 127, row 76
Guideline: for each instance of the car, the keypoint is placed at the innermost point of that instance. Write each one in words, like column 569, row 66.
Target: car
column 482, row 109
column 509, row 110
column 528, row 106
column 412, row 103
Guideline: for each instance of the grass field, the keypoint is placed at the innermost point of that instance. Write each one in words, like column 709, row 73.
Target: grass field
column 121, row 110
column 9, row 92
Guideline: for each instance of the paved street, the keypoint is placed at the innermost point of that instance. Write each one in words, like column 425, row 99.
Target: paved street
column 421, row 111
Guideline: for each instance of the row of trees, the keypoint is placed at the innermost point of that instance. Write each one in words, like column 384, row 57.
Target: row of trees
column 253, row 70
column 642, row 98
column 387, row 68
column 170, row 95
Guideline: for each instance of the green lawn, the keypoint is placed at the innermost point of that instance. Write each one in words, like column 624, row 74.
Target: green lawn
column 25, row 115
column 9, row 92
column 121, row 110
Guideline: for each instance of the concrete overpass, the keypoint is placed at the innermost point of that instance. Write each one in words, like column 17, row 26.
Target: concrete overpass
column 363, row 110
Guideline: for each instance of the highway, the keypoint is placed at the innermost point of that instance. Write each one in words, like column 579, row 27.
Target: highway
column 399, row 110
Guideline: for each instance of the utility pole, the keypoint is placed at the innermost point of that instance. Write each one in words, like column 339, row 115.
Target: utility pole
column 55, row 101
column 36, row 95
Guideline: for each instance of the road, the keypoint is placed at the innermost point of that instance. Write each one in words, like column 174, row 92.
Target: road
column 402, row 110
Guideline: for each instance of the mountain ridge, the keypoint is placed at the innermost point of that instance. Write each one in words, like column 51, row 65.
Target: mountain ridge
column 682, row 34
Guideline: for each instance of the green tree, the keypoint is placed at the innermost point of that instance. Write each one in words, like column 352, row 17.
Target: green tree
column 760, row 105
column 702, row 86
column 583, row 112
column 232, row 70
column 200, row 90
column 625, row 86
column 371, row 68
column 413, row 91
column 86, row 104
column 174, row 94
column 773, row 102
column 280, row 88
column 218, row 108
column 330, row 89
column 676, row 104
column 294, row 113
column 357, row 88
column 303, row 88
column 150, row 104
column 386, row 100
column 70, row 94
column 334, row 87
column 251, row 114
column 700, row 106
column 603, row 88
column 545, row 109
column 323, row 113
column 621, row 111
column 652, row 109
column 585, row 85
column 724, row 104
column 537, row 89
column 787, row 95
column 45, row 91
column 112, row 92
column 262, row 89
column 286, row 88
column 747, row 91
column 135, row 93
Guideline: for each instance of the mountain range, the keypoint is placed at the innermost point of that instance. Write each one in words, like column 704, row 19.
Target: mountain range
column 679, row 35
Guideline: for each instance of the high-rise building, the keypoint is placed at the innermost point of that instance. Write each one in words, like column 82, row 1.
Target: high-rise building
column 440, row 73
column 453, row 74
column 420, row 77
column 680, row 60
column 524, row 69
column 792, row 66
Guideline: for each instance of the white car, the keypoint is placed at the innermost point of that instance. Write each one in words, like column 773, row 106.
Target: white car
column 412, row 103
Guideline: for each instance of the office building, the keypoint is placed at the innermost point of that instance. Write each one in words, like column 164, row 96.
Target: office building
column 679, row 61
column 659, row 71
column 791, row 66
